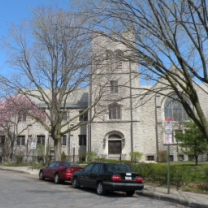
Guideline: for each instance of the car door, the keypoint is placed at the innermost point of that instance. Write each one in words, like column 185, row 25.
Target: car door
column 95, row 174
column 46, row 170
column 50, row 170
column 84, row 178
column 54, row 169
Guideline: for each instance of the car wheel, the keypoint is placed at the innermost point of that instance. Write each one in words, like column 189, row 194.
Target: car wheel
column 130, row 193
column 56, row 178
column 75, row 183
column 100, row 189
column 41, row 177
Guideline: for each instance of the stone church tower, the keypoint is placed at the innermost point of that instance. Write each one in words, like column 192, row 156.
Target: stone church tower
column 114, row 131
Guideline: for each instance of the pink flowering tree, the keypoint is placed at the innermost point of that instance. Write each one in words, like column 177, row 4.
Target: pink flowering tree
column 12, row 111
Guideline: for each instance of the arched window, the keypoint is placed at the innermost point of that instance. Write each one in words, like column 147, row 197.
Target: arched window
column 109, row 55
column 118, row 54
column 174, row 109
column 114, row 111
column 114, row 136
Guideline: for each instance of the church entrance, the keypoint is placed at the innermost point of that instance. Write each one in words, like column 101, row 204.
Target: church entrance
column 114, row 147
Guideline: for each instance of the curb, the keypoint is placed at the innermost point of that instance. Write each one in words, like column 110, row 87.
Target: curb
column 19, row 171
column 173, row 200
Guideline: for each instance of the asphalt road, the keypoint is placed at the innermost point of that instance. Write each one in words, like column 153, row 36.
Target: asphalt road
column 26, row 191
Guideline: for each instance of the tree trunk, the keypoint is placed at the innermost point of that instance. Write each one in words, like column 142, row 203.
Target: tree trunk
column 177, row 151
column 57, row 149
column 11, row 151
column 196, row 159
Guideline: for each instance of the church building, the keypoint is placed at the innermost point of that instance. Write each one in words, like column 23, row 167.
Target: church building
column 129, row 118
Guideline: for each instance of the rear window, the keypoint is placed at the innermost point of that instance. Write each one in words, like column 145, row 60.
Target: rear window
column 117, row 168
column 66, row 164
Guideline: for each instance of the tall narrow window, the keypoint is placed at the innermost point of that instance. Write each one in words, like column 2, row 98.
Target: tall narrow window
column 64, row 116
column 2, row 140
column 118, row 59
column 41, row 139
column 22, row 117
column 82, row 140
column 21, row 140
column 114, row 111
column 174, row 109
column 83, row 117
column 63, row 140
column 114, row 86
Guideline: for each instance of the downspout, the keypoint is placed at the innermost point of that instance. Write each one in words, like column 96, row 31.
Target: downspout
column 156, row 129
column 68, row 142
column 90, row 116
column 131, row 113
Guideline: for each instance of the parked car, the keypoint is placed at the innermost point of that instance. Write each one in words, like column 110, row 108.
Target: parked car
column 59, row 171
column 108, row 177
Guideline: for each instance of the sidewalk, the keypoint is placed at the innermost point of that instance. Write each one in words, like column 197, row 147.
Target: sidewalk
column 186, row 198
column 27, row 169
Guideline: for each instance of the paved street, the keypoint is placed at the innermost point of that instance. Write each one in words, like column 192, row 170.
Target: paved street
column 24, row 190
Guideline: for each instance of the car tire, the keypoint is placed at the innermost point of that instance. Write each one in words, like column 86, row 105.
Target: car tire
column 75, row 183
column 130, row 193
column 41, row 177
column 56, row 178
column 100, row 189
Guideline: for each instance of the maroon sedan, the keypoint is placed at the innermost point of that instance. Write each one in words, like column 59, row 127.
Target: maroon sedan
column 59, row 171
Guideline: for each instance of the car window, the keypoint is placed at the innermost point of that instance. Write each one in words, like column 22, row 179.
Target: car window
column 74, row 164
column 57, row 164
column 67, row 164
column 88, row 168
column 117, row 168
column 53, row 164
column 97, row 168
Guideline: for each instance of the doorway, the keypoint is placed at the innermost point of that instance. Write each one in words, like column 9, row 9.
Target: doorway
column 114, row 147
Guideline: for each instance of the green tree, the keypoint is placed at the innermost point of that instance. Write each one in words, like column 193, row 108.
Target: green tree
column 192, row 140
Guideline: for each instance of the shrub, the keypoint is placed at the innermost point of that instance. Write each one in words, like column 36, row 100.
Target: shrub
column 40, row 158
column 146, row 169
column 19, row 159
column 162, row 155
column 135, row 156
column 89, row 156
column 205, row 171
column 179, row 175
column 100, row 159
column 159, row 173
column 63, row 156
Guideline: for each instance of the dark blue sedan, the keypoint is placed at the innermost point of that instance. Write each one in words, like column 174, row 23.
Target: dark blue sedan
column 108, row 177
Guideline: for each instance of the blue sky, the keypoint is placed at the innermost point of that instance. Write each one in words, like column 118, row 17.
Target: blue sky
column 13, row 11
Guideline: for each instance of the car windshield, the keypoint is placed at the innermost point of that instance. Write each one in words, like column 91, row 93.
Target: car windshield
column 117, row 168
column 66, row 164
